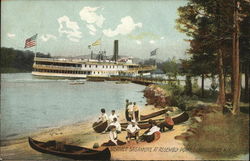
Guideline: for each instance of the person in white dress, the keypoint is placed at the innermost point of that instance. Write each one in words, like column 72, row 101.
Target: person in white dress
column 113, row 136
column 112, row 116
column 117, row 125
column 149, row 134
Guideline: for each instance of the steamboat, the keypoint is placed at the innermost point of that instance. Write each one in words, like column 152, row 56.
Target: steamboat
column 84, row 68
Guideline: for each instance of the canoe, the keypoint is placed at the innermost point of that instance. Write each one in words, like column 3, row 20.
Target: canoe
column 154, row 114
column 99, row 126
column 180, row 118
column 69, row 151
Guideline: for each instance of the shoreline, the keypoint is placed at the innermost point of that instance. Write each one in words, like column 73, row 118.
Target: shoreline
column 82, row 134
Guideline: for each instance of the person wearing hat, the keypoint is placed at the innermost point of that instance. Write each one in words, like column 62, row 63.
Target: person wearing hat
column 132, row 131
column 149, row 134
column 168, row 123
column 113, row 136
column 112, row 116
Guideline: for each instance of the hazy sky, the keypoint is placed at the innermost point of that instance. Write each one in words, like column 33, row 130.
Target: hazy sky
column 67, row 27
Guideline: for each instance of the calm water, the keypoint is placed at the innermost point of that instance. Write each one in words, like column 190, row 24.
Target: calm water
column 29, row 103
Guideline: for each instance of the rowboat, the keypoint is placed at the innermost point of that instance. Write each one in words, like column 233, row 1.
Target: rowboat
column 69, row 151
column 154, row 114
column 76, row 83
column 180, row 118
column 122, row 82
column 100, row 126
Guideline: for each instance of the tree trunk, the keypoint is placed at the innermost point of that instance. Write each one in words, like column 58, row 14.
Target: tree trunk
column 188, row 86
column 202, row 85
column 236, row 67
column 221, row 100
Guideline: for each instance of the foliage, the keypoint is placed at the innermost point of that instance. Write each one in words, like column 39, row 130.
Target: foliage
column 13, row 61
column 171, row 67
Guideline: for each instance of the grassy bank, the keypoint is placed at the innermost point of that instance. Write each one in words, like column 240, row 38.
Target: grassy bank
column 215, row 135
column 220, row 136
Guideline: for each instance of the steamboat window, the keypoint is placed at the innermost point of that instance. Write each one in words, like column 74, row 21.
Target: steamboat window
column 90, row 66
column 96, row 66
column 85, row 65
column 103, row 66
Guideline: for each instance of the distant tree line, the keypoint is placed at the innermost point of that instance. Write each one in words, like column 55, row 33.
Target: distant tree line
column 15, row 61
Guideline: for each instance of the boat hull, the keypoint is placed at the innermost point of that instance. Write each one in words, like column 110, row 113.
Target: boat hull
column 155, row 114
column 100, row 127
column 90, row 155
column 145, row 125
column 59, row 75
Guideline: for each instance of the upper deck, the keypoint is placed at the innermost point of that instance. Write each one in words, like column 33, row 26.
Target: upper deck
column 82, row 61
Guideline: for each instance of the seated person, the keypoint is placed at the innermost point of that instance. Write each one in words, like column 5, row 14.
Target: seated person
column 112, row 116
column 168, row 123
column 132, row 131
column 117, row 125
column 113, row 138
column 103, row 117
column 149, row 134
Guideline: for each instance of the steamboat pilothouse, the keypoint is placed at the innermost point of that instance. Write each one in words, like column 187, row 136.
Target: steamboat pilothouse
column 83, row 68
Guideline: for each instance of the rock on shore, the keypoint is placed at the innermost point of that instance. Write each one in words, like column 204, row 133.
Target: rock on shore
column 156, row 96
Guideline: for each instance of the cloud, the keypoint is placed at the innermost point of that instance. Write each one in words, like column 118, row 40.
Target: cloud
column 89, row 15
column 162, row 37
column 151, row 41
column 138, row 42
column 92, row 29
column 47, row 37
column 10, row 35
column 127, row 26
column 92, row 33
column 70, row 28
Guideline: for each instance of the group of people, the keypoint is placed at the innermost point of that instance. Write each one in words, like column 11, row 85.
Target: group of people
column 132, row 113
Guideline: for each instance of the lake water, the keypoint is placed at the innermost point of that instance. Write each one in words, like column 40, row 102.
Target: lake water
column 29, row 103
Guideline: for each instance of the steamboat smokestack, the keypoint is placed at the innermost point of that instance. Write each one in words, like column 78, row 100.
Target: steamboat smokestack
column 115, row 56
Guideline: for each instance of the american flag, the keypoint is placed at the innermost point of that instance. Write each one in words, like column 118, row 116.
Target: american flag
column 154, row 52
column 30, row 41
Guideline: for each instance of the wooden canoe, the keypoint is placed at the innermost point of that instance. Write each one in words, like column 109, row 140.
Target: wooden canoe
column 154, row 114
column 180, row 118
column 99, row 126
column 69, row 151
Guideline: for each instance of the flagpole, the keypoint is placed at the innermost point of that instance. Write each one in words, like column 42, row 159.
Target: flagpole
column 36, row 49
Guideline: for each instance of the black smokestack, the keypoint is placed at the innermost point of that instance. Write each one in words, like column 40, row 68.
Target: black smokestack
column 115, row 57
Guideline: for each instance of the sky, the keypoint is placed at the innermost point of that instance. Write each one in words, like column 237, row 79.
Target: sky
column 66, row 28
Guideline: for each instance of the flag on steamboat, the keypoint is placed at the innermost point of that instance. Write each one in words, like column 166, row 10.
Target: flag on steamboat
column 30, row 42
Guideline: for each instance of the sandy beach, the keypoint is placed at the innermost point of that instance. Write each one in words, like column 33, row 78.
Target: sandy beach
column 82, row 134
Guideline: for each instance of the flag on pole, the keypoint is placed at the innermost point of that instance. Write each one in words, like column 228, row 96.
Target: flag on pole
column 97, row 42
column 154, row 52
column 30, row 42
